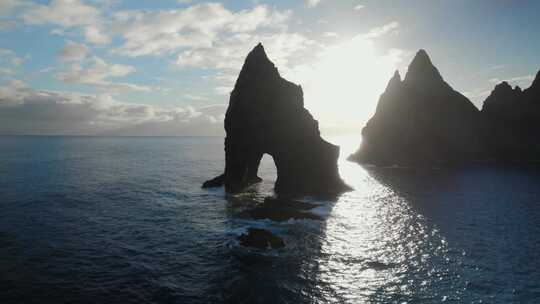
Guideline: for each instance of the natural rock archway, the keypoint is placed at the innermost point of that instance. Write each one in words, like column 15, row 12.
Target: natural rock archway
column 266, row 114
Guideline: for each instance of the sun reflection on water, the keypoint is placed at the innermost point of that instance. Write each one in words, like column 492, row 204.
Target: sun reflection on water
column 373, row 244
column 377, row 246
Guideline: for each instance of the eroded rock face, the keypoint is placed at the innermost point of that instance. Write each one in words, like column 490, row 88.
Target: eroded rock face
column 513, row 118
column 421, row 120
column 266, row 114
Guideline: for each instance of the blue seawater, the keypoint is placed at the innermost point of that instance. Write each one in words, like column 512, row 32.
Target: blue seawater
column 124, row 220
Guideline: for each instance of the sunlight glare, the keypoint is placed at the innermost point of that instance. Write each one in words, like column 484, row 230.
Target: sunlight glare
column 342, row 87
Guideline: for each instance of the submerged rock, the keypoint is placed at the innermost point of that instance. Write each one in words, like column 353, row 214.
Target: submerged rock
column 281, row 211
column 421, row 120
column 266, row 114
column 261, row 239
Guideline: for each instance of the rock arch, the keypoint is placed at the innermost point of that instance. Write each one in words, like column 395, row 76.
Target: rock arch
column 266, row 114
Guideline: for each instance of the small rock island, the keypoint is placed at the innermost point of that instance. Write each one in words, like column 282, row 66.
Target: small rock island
column 266, row 114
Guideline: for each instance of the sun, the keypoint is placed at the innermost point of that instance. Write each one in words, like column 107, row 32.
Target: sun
column 343, row 86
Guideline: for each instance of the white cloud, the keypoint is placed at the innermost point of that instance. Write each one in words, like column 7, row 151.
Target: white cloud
column 6, row 71
column 477, row 96
column 69, row 13
column 27, row 111
column 198, row 26
column 98, row 74
column 73, row 52
column 229, row 52
column 517, row 79
column 331, row 34
column 65, row 13
column 7, row 9
column 8, row 6
column 96, row 35
column 312, row 3
column 382, row 30
column 359, row 7
column 9, row 57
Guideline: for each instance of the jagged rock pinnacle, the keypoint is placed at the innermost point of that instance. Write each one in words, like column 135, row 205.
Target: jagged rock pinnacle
column 394, row 81
column 421, row 58
column 422, row 71
column 257, row 56
column 396, row 77
column 421, row 120
column 503, row 86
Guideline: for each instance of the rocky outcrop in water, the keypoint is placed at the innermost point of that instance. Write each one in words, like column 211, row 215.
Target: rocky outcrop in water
column 266, row 114
column 261, row 239
column 513, row 118
column 421, row 120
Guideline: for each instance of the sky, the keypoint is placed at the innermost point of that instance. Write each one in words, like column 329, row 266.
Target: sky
column 167, row 67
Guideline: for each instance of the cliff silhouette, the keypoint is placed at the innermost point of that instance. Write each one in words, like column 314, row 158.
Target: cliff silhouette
column 513, row 118
column 266, row 114
column 421, row 120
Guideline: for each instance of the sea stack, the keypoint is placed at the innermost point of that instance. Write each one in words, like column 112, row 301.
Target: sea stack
column 266, row 114
column 513, row 118
column 421, row 120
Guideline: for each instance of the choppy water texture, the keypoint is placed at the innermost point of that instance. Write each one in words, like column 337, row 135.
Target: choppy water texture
column 102, row 220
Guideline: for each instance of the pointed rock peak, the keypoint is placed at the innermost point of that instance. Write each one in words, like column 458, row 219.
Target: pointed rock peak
column 518, row 89
column 422, row 70
column 258, row 54
column 394, row 81
column 503, row 86
column 257, row 64
column 397, row 76
column 421, row 58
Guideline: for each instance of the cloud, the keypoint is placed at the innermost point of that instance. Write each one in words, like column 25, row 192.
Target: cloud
column 6, row 72
column 204, row 35
column 519, row 79
column 96, row 35
column 312, row 3
column 7, row 9
column 9, row 57
column 382, row 30
column 66, row 13
column 98, row 74
column 73, row 52
column 198, row 26
column 359, row 7
column 477, row 96
column 331, row 34
column 69, row 13
column 7, row 6
column 27, row 111
column 229, row 52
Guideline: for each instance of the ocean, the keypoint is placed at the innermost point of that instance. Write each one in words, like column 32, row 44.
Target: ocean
column 124, row 220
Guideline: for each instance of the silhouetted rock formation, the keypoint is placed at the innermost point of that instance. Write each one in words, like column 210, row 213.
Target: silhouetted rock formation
column 421, row 120
column 281, row 210
column 513, row 118
column 266, row 114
